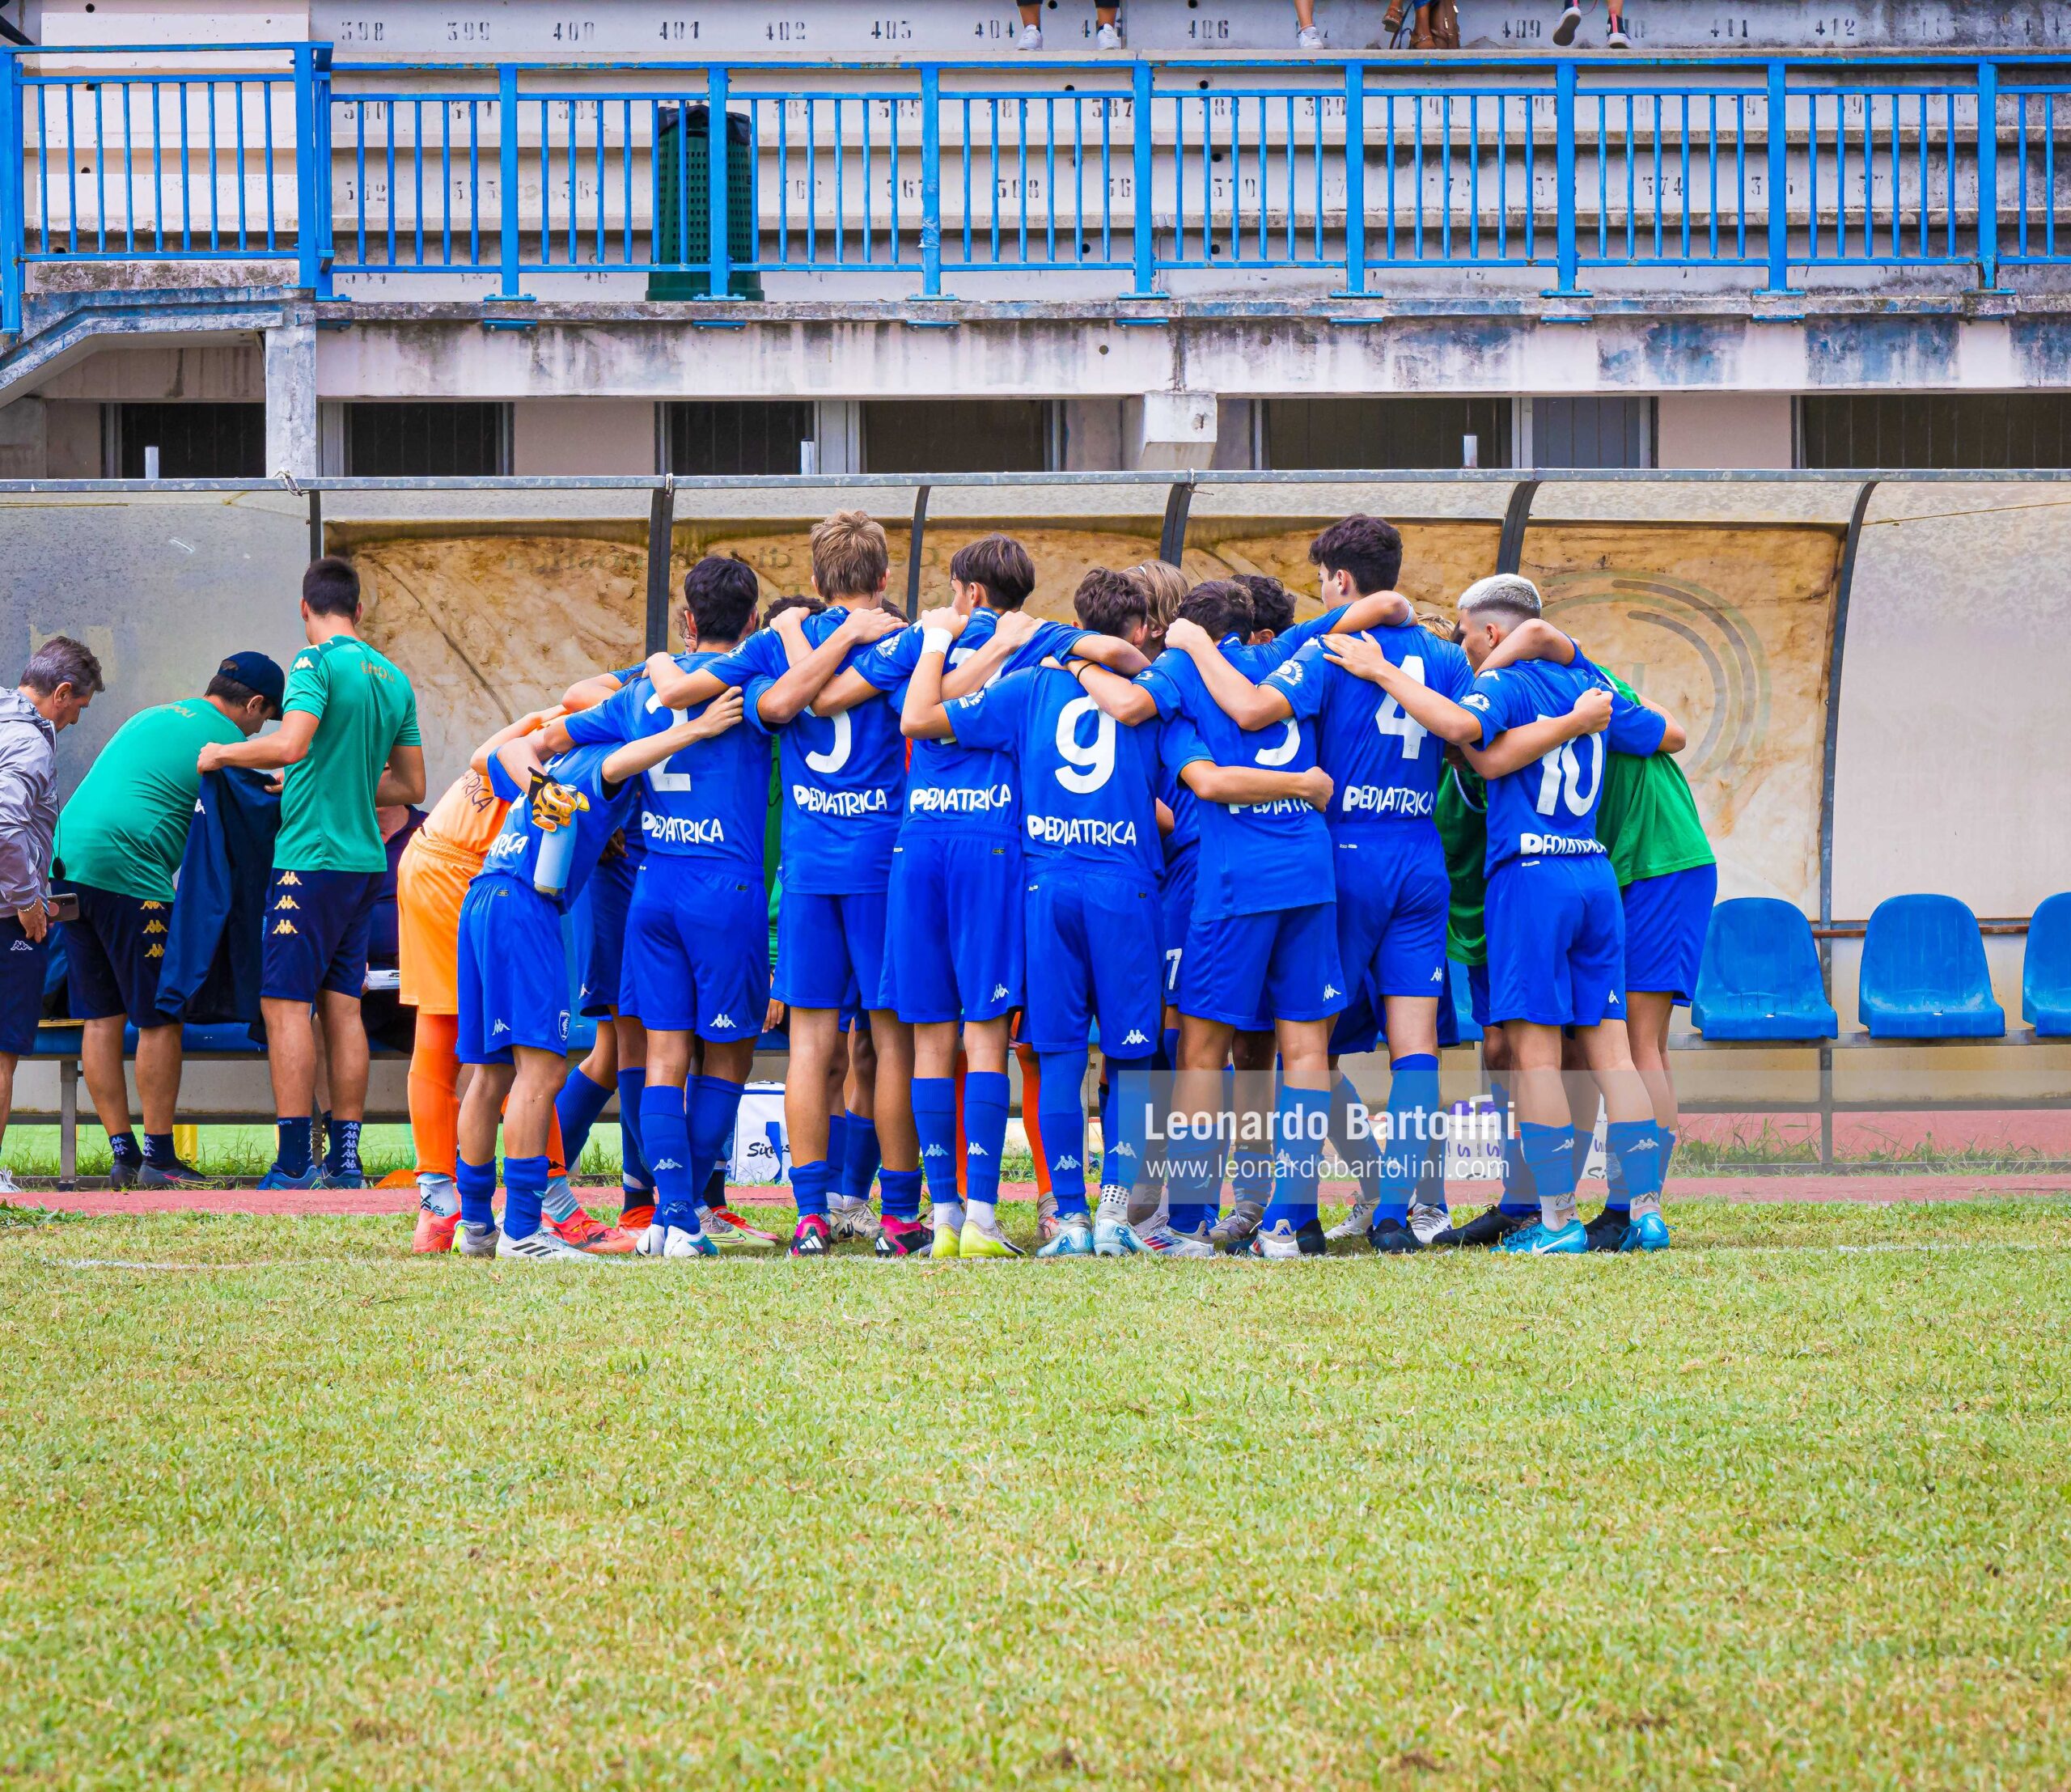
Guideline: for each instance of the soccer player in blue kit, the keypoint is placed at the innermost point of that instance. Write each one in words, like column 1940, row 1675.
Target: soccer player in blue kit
column 1088, row 796
column 955, row 871
column 844, row 783
column 1556, row 925
column 513, row 967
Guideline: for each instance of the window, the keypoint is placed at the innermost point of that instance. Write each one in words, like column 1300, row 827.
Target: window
column 1346, row 434
column 1930, row 430
column 427, row 441
column 960, row 435
column 1592, row 432
column 736, row 438
column 193, row 441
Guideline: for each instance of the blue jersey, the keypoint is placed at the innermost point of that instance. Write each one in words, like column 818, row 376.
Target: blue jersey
column 514, row 853
column 949, row 783
column 844, row 776
column 1256, row 857
column 1548, row 809
column 1088, row 785
column 1384, row 766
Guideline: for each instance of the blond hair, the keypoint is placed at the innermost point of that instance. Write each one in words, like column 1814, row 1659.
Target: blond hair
column 850, row 557
column 1164, row 587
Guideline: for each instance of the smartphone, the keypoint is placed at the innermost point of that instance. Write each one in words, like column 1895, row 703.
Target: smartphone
column 63, row 905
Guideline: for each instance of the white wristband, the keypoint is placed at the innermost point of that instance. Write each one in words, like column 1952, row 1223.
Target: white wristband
column 935, row 640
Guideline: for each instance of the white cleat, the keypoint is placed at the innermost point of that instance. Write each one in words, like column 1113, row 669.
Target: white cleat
column 680, row 1243
column 1113, row 1236
column 1031, row 38
column 1166, row 1241
column 541, row 1247
column 1309, row 38
column 1356, row 1223
column 852, row 1219
column 1108, row 38
column 1427, row 1222
column 1073, row 1237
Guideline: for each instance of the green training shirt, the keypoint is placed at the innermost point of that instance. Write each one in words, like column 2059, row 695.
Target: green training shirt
column 1648, row 821
column 125, row 827
column 365, row 710
column 1463, row 817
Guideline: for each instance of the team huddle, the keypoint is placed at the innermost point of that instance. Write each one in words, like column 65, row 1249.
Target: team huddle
column 1184, row 829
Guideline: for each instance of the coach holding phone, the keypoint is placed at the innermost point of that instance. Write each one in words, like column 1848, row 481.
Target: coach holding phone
column 57, row 684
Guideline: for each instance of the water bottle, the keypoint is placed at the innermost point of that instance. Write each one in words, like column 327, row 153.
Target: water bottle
column 556, row 851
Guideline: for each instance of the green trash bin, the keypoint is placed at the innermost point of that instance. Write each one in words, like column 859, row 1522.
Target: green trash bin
column 682, row 142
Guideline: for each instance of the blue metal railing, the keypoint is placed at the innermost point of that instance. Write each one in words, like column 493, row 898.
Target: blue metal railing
column 947, row 172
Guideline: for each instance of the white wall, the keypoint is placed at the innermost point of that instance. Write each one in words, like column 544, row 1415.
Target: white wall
column 552, row 436
column 1723, row 429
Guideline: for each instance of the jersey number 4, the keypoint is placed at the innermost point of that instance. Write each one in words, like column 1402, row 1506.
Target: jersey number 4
column 1391, row 719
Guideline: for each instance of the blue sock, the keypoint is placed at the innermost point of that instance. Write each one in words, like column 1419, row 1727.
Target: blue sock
column 714, row 1104
column 934, row 1121
column 1301, row 1117
column 158, row 1150
column 1668, row 1144
column 1124, row 1118
column 123, row 1146
column 809, row 1189
column 985, row 1097
column 634, row 1177
column 1413, row 1098
column 524, row 1189
column 860, row 1157
column 1635, row 1154
column 291, row 1151
column 902, row 1193
column 1549, row 1155
column 1063, row 1122
column 577, row 1108
column 341, row 1147
column 477, row 1183
column 837, row 1151
column 1364, row 1154
column 1519, row 1196
column 665, row 1132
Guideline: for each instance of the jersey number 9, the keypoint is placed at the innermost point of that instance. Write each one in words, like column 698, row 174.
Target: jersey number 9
column 1086, row 767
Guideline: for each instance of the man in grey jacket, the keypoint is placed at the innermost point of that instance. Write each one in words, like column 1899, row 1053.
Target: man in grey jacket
column 57, row 684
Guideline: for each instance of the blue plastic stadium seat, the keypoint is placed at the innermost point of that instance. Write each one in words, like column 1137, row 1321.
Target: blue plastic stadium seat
column 2046, row 973
column 1456, row 1024
column 1758, row 977
column 1923, row 974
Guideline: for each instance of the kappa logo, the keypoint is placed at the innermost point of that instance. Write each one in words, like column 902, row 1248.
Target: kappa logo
column 148, row 907
column 666, row 1164
column 999, row 992
column 287, row 902
column 974, row 1149
column 1614, row 999
column 936, row 1151
column 289, row 877
column 1438, row 975
column 284, row 926
column 1123, row 1148
column 152, row 927
column 725, row 1020
column 1135, row 1038
column 1067, row 1163
column 501, row 1026
column 21, row 945
column 1330, row 989
column 155, row 951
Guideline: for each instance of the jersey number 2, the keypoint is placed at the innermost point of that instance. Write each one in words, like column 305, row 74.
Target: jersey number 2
column 660, row 779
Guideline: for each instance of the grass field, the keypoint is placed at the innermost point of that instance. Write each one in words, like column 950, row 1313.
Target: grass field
column 1789, row 1504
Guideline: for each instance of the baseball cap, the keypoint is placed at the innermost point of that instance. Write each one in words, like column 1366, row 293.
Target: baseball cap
column 255, row 672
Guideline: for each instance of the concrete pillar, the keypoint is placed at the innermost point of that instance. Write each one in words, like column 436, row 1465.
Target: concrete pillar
column 292, row 434
column 1092, row 435
column 24, row 439
column 1164, row 431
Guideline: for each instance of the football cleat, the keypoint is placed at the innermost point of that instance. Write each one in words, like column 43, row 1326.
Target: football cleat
column 674, row 1241
column 984, row 1243
column 904, row 1238
column 1540, row 1240
column 1168, row 1241
column 479, row 1241
column 852, row 1219
column 540, row 1247
column 637, row 1216
column 1607, row 1231
column 809, row 1238
column 1073, row 1237
column 434, row 1233
column 1485, row 1231
column 1234, row 1231
column 728, row 1229
column 1357, row 1223
column 1571, row 21
column 593, row 1235
column 342, row 1179
column 1392, row 1238
column 124, row 1172
column 1427, row 1222
column 174, row 1175
column 1113, row 1236
column 277, row 1178
column 1283, row 1243
column 1649, row 1232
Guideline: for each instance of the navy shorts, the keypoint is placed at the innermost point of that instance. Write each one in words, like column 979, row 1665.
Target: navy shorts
column 1177, row 902
column 697, row 948
column 1557, row 942
column 1392, row 898
column 113, row 954
column 827, row 944
column 1249, row 970
column 599, row 915
column 514, row 973
column 1665, row 919
column 1096, row 936
column 22, row 966
column 952, row 943
column 317, row 924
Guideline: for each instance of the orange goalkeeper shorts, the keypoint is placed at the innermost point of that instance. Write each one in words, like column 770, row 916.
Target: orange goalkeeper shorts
column 431, row 882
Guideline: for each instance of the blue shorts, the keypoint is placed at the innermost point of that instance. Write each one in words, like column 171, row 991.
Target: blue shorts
column 826, row 943
column 513, row 975
column 113, row 954
column 22, row 961
column 1391, row 906
column 599, row 916
column 1477, row 994
column 697, row 948
column 1249, row 970
column 316, row 927
column 1095, row 936
column 1557, row 942
column 1665, row 919
column 1176, row 904
column 952, row 936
